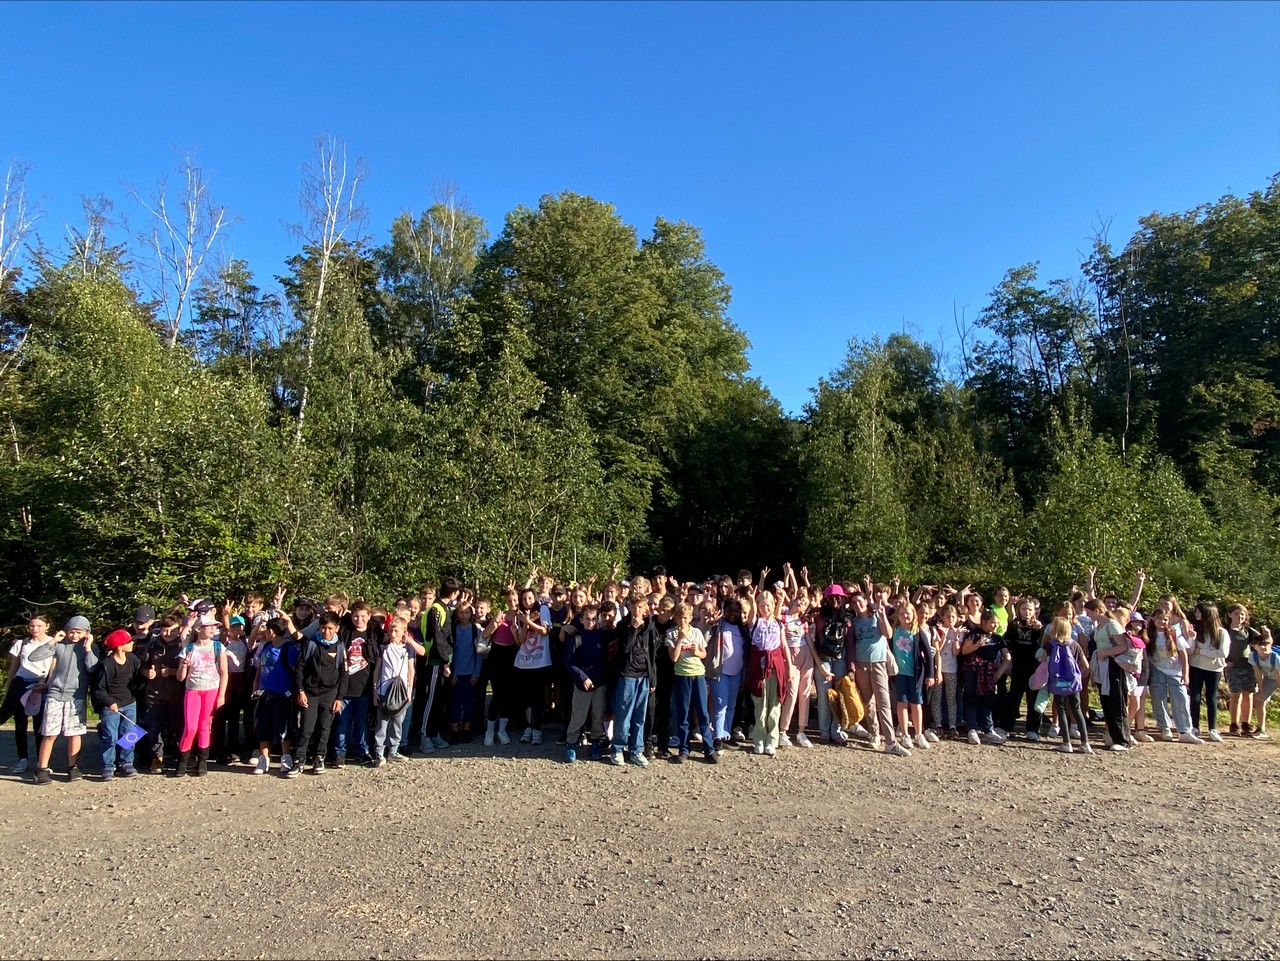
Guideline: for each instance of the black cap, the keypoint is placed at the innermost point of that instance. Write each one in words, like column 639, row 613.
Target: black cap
column 143, row 614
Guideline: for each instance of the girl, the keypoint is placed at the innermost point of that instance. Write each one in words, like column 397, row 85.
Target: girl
column 1067, row 667
column 832, row 629
column 1170, row 674
column 1208, row 659
column 687, row 648
column 29, row 661
column 871, row 673
column 1139, row 670
column 726, row 657
column 203, row 671
column 503, row 632
column 532, row 664
column 768, row 673
column 1241, row 682
column 1112, row 643
column 984, row 659
column 913, row 654
column 1023, row 636
column 466, row 672
column 947, row 641
column 804, row 656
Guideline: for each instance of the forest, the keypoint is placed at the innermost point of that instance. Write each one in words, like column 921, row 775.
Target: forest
column 401, row 402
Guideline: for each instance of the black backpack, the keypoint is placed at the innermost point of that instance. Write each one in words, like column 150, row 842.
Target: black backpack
column 834, row 631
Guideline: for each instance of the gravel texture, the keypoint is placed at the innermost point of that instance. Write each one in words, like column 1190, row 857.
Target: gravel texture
column 1168, row 851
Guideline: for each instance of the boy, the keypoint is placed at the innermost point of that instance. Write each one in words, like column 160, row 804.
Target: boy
column 431, row 701
column 320, row 678
column 66, row 687
column 274, row 718
column 637, row 672
column 584, row 661
column 112, row 683
column 395, row 662
column 226, row 719
column 362, row 658
column 1265, row 662
column 984, row 658
column 164, row 693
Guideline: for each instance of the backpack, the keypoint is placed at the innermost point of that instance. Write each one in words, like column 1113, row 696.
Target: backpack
column 834, row 631
column 217, row 651
column 397, row 696
column 1064, row 671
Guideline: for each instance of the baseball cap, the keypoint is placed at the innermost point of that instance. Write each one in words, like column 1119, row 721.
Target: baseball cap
column 145, row 613
column 116, row 640
column 208, row 620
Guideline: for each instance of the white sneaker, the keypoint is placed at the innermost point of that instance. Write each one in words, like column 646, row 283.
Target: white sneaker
column 527, row 736
column 897, row 750
column 877, row 743
column 21, row 766
column 1215, row 737
column 770, row 751
column 1142, row 737
column 860, row 732
column 784, row 741
column 922, row 742
column 537, row 738
column 286, row 762
column 1053, row 731
column 264, row 764
column 931, row 737
column 1075, row 731
column 840, row 738
column 1033, row 736
column 999, row 732
column 758, row 749
column 1118, row 747
column 488, row 739
column 1085, row 748
column 802, row 740
column 439, row 742
column 1166, row 734
column 973, row 738
column 1189, row 737
column 1065, row 748
column 503, row 737
column 992, row 738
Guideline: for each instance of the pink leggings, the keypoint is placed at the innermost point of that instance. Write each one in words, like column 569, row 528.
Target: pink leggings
column 198, row 715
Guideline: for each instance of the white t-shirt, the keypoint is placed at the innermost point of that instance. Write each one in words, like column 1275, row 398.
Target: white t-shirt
column 535, row 652
column 202, row 667
column 28, row 669
column 1161, row 659
column 393, row 663
column 237, row 655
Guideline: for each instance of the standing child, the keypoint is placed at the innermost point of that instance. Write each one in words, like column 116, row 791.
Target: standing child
column 66, row 688
column 1208, row 660
column 229, row 740
column 274, row 716
column 1066, row 680
column 352, row 725
column 804, row 658
column 203, row 671
column 985, row 657
column 1170, row 674
column 913, row 656
column 1138, row 666
column 637, row 679
column 533, row 663
column 1265, row 661
column 395, row 673
column 947, row 641
column 321, row 682
column 584, row 659
column 29, row 662
column 113, row 682
column 768, row 674
column 467, row 666
column 688, row 649
column 1241, row 681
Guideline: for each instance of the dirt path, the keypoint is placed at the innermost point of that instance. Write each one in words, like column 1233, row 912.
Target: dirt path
column 1169, row 851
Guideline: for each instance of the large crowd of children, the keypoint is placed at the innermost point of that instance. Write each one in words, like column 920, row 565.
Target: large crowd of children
column 638, row 670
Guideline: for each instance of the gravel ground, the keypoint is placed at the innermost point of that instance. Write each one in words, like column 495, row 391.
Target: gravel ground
column 1167, row 851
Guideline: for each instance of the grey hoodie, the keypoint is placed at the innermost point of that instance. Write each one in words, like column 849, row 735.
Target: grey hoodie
column 69, row 675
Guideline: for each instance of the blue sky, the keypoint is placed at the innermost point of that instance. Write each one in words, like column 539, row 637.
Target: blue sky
column 855, row 169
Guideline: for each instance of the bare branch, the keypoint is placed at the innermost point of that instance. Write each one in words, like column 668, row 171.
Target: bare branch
column 17, row 218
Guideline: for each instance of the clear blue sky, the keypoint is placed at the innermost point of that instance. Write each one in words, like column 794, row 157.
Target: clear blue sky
column 854, row 168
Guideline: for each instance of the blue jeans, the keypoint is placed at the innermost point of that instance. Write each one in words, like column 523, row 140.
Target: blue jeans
column 689, row 696
column 630, row 707
column 1166, row 687
column 353, row 723
column 724, row 695
column 838, row 667
column 111, row 729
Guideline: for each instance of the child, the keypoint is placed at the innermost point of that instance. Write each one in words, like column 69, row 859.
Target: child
column 1114, row 653
column 1241, row 680
column 203, row 672
column 226, row 719
column 1208, row 660
column 1023, row 637
column 637, row 679
column 112, row 681
column 29, row 662
column 688, row 649
column 395, row 663
column 584, row 656
column 1265, row 661
column 467, row 665
column 914, row 658
column 984, row 658
column 804, row 657
column 1066, row 680
column 726, row 657
column 533, row 661
column 320, row 679
column 361, row 656
column 274, row 718
column 164, row 694
column 768, row 675
column 1137, row 665
column 832, row 627
column 66, row 687
column 871, row 671
column 1170, row 675
column 947, row 641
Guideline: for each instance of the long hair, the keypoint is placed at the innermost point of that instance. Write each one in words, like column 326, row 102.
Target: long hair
column 1209, row 625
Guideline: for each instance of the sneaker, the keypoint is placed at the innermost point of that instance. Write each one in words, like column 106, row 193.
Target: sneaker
column 286, row 762
column 1033, row 736
column 860, row 732
column 126, row 770
column 1260, row 735
column 293, row 772
column 1190, row 737
column 897, row 750
column 713, row 757
column 1215, row 737
column 922, row 742
column 527, row 736
column 1166, row 734
column 992, row 738
column 999, row 732
column 108, row 776
column 802, row 740
column 428, row 747
column 931, row 737
column 784, row 741
column 1245, row 728
column 648, row 753
column 157, row 766
column 397, row 757
column 380, row 761
column 617, row 760
column 1065, row 748
column 1118, row 747
column 973, row 738
column 1075, row 731
column 537, row 738
column 1142, row 737
column 44, row 775
column 263, row 766
column 504, row 737
column 1053, row 731
column 770, row 751
column 877, row 742
column 639, row 760
column 757, row 749
column 840, row 738
column 318, row 767
column 339, row 760
column 695, row 738
column 21, row 766
column 439, row 742
column 73, row 773
column 1085, row 748
column 488, row 739
column 679, row 758
column 570, row 755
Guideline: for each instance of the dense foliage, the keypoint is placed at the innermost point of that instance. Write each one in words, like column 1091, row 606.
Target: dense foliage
column 572, row 394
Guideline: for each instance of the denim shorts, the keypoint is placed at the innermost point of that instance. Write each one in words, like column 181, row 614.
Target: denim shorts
column 905, row 690
column 1240, row 680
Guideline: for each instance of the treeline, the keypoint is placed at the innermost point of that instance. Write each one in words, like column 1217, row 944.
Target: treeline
column 572, row 394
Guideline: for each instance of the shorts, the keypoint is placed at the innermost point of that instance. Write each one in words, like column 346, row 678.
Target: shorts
column 64, row 717
column 274, row 718
column 1240, row 680
column 1269, row 685
column 905, row 690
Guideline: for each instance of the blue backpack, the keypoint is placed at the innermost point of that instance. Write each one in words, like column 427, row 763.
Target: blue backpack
column 1064, row 671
